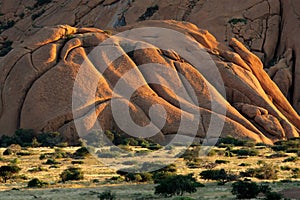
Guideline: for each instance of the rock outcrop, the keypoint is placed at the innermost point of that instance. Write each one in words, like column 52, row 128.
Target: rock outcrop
column 38, row 76
column 266, row 27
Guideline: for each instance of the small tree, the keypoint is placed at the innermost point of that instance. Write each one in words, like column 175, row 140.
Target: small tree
column 176, row 185
column 71, row 173
column 245, row 189
column 218, row 175
column 36, row 183
column 6, row 172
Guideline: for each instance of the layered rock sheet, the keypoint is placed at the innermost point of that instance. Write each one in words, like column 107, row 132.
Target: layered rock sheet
column 38, row 76
column 267, row 27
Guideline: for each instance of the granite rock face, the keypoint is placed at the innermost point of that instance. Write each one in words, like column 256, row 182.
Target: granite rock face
column 267, row 27
column 38, row 76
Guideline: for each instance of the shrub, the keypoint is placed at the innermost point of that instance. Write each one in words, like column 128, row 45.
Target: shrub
column 8, row 152
column 218, row 175
column 191, row 154
column 222, row 161
column 36, row 183
column 296, row 173
column 37, row 169
column 107, row 195
column 77, row 162
column 265, row 171
column 237, row 20
column 291, row 159
column 176, row 185
column 245, row 152
column 273, row 196
column 244, row 164
column 7, row 171
column 71, row 173
column 245, row 189
column 51, row 162
column 12, row 149
column 50, row 139
column 230, row 141
column 81, row 152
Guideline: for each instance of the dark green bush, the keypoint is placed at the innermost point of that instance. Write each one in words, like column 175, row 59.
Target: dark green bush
column 107, row 195
column 176, row 185
column 291, row 159
column 51, row 161
column 50, row 139
column 245, row 189
column 71, row 173
column 230, row 141
column 222, row 161
column 81, row 152
column 237, row 20
column 7, row 171
column 36, row 183
column 8, row 152
column 219, row 175
column 77, row 162
column 246, row 152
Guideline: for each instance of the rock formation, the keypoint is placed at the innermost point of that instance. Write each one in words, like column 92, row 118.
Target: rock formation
column 266, row 27
column 38, row 76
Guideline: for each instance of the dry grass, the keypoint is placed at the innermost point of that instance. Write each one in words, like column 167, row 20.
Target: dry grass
column 94, row 169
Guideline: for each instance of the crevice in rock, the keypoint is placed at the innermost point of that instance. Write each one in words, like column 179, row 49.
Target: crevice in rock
column 111, row 3
column 148, row 13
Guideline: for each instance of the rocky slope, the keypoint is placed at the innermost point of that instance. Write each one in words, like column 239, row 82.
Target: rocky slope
column 38, row 76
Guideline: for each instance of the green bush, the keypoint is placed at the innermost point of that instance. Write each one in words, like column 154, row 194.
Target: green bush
column 265, row 171
column 107, row 195
column 291, row 159
column 8, row 152
column 222, row 161
column 81, row 152
column 245, row 189
column 245, row 152
column 71, row 173
column 237, row 20
column 296, row 173
column 50, row 139
column 230, row 141
column 77, row 162
column 51, row 162
column 176, row 185
column 7, row 171
column 219, row 175
column 36, row 183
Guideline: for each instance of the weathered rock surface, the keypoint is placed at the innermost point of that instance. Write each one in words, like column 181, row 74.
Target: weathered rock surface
column 37, row 80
